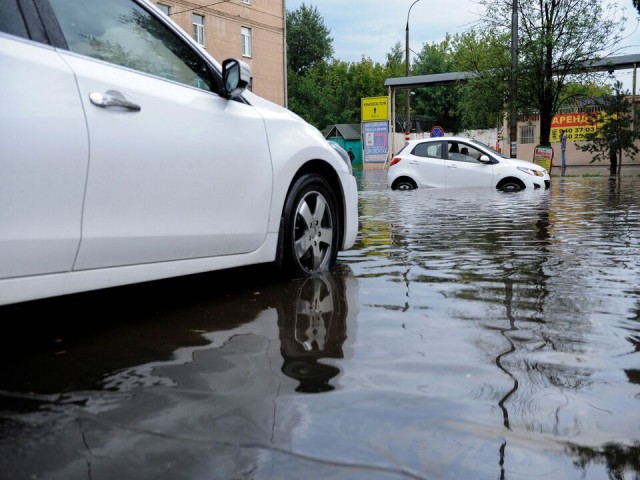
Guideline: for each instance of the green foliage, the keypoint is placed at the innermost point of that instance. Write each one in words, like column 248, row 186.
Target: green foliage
column 557, row 41
column 615, row 130
column 438, row 104
column 483, row 98
column 330, row 93
column 308, row 40
column 577, row 92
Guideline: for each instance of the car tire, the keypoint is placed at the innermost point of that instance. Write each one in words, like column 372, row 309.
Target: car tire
column 404, row 185
column 510, row 186
column 310, row 228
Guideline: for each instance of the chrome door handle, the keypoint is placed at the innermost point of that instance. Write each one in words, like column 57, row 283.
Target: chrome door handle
column 111, row 99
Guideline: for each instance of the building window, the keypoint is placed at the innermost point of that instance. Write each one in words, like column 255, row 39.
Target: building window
column 246, row 42
column 248, row 2
column 198, row 28
column 166, row 9
column 526, row 134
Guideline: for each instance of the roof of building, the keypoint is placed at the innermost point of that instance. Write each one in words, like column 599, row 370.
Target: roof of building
column 621, row 62
column 348, row 131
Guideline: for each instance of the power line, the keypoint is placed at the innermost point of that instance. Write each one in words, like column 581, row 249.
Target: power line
column 198, row 7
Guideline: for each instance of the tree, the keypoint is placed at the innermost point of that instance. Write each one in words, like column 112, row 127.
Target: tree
column 308, row 40
column 437, row 103
column 483, row 97
column 615, row 133
column 394, row 67
column 636, row 3
column 558, row 41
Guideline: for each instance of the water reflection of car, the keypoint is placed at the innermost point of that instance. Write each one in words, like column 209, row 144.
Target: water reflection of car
column 224, row 372
column 313, row 326
column 454, row 162
column 147, row 159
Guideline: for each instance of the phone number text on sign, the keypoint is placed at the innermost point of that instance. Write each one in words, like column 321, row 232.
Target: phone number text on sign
column 575, row 125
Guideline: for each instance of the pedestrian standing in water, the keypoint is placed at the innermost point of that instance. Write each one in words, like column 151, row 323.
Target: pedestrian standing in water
column 563, row 149
column 351, row 155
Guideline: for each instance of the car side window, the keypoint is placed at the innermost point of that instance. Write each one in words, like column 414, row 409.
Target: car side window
column 124, row 33
column 470, row 154
column 11, row 20
column 428, row 149
column 461, row 152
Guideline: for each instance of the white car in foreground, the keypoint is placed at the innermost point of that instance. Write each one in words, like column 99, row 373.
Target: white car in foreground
column 453, row 162
column 128, row 154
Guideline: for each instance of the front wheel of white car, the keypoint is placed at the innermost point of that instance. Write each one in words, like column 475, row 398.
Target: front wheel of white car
column 511, row 185
column 310, row 227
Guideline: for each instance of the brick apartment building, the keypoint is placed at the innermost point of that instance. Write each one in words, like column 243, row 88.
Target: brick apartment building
column 250, row 30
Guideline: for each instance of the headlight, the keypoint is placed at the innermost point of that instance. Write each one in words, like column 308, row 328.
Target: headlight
column 531, row 171
column 343, row 154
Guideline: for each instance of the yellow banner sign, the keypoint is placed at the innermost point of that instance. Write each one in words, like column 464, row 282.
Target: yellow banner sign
column 575, row 125
column 374, row 109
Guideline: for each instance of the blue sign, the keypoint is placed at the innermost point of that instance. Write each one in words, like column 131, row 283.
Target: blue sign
column 376, row 141
column 437, row 132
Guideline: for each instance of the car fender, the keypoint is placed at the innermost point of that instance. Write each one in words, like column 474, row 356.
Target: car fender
column 293, row 145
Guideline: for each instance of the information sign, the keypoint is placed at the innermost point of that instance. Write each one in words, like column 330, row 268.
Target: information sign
column 376, row 141
column 374, row 109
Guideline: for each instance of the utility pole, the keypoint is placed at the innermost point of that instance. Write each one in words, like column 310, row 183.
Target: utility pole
column 513, row 130
column 407, row 121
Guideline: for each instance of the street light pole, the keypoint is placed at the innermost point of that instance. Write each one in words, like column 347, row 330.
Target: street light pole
column 407, row 121
column 513, row 130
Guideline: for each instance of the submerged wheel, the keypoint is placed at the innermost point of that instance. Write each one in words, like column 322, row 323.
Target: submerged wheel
column 510, row 186
column 310, row 227
column 404, row 185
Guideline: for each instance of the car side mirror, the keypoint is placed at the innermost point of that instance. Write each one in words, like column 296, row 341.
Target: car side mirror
column 236, row 76
column 484, row 159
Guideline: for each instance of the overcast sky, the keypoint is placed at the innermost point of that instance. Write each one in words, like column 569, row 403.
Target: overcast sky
column 370, row 28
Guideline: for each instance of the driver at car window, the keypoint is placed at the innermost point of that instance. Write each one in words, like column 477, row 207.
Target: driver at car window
column 454, row 153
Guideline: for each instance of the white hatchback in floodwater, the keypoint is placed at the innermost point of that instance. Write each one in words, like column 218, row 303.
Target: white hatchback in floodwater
column 454, row 162
column 129, row 154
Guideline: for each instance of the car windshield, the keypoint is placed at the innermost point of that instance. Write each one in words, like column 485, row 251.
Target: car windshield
column 487, row 147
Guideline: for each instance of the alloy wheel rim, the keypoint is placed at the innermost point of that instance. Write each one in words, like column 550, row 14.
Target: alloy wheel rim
column 313, row 229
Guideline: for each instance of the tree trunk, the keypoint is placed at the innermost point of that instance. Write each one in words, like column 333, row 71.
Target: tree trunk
column 619, row 160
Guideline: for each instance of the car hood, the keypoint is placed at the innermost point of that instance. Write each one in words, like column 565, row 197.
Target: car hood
column 515, row 162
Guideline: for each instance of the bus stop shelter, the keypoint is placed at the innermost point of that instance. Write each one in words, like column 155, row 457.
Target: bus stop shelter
column 607, row 64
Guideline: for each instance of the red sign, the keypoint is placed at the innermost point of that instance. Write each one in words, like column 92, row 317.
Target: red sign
column 437, row 132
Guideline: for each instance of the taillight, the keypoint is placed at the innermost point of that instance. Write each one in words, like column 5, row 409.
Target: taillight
column 394, row 161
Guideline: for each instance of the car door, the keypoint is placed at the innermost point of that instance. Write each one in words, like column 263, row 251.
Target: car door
column 43, row 155
column 427, row 161
column 176, row 171
column 463, row 167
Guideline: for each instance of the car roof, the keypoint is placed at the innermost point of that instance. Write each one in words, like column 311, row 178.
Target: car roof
column 439, row 139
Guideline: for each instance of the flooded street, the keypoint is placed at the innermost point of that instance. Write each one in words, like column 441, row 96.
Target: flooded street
column 469, row 334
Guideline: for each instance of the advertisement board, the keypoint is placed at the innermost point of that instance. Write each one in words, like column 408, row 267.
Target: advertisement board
column 575, row 125
column 543, row 156
column 376, row 141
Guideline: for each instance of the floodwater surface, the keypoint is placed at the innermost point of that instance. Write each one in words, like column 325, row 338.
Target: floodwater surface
column 469, row 334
